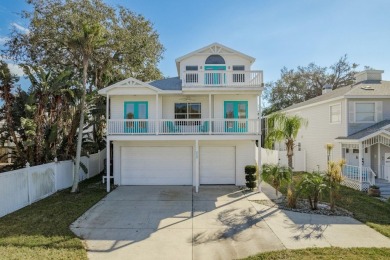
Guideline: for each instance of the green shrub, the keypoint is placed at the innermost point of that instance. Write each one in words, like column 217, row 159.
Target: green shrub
column 250, row 176
column 276, row 175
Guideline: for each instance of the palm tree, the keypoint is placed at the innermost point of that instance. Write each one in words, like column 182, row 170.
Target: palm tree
column 282, row 127
column 276, row 175
column 85, row 42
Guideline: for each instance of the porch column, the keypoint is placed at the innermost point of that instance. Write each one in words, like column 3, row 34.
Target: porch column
column 196, row 166
column 360, row 162
column 209, row 114
column 107, row 114
column 380, row 173
column 157, row 117
column 259, row 146
column 108, row 164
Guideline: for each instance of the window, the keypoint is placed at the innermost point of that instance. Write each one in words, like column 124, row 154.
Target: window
column 188, row 111
column 335, row 113
column 365, row 112
column 191, row 77
column 238, row 77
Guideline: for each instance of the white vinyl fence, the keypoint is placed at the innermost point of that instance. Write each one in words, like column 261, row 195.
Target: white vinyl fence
column 280, row 157
column 22, row 187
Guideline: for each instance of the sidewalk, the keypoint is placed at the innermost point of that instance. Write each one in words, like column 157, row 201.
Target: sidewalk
column 300, row 230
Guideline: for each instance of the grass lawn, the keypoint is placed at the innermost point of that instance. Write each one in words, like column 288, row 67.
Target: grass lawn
column 41, row 230
column 369, row 210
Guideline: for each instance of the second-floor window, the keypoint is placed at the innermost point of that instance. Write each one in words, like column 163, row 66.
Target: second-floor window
column 335, row 114
column 188, row 111
column 191, row 74
column 365, row 112
column 238, row 75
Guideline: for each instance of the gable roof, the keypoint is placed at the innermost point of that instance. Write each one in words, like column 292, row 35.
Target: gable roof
column 129, row 82
column 367, row 131
column 368, row 89
column 167, row 84
column 214, row 48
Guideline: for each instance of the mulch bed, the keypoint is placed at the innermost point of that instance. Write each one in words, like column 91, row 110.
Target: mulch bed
column 303, row 206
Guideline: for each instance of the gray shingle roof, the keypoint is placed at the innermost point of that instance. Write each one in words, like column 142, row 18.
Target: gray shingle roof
column 367, row 131
column 366, row 88
column 167, row 84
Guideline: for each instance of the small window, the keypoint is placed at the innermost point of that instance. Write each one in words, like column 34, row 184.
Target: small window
column 347, row 150
column 191, row 67
column 366, row 150
column 191, row 77
column 355, row 150
column 238, row 76
column 335, row 113
column 365, row 112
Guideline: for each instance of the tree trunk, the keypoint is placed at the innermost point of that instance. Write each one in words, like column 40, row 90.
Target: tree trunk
column 75, row 187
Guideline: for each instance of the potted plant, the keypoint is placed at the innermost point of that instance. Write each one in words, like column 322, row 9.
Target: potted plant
column 374, row 191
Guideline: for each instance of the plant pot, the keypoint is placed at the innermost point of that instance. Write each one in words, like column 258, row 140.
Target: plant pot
column 374, row 192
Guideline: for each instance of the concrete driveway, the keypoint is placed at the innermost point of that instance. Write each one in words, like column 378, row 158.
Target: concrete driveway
column 219, row 222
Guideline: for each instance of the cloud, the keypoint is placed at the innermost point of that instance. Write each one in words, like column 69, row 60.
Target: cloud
column 15, row 69
column 3, row 39
column 20, row 28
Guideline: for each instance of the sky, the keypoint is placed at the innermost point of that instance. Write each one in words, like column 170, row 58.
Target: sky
column 278, row 34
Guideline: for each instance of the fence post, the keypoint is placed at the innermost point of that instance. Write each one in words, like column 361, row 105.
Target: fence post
column 55, row 173
column 88, row 162
column 28, row 182
column 99, row 161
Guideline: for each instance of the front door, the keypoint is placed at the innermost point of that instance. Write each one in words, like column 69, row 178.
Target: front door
column 216, row 77
column 138, row 111
column 236, row 110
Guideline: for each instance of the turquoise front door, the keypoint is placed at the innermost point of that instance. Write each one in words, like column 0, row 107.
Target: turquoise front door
column 236, row 110
column 215, row 78
column 137, row 110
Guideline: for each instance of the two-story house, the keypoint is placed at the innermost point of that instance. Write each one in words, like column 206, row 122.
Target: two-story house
column 198, row 128
column 356, row 120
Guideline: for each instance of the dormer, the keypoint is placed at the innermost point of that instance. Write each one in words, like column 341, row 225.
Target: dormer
column 217, row 66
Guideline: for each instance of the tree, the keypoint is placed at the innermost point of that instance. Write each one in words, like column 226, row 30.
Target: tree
column 295, row 86
column 276, row 175
column 101, row 44
column 313, row 185
column 282, row 127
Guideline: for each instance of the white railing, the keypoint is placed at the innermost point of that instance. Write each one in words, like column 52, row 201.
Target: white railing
column 214, row 78
column 366, row 176
column 183, row 126
column 22, row 187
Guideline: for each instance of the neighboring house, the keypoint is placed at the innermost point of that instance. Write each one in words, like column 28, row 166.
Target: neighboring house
column 198, row 128
column 356, row 119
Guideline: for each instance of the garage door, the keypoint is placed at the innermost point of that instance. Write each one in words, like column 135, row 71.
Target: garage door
column 156, row 166
column 217, row 165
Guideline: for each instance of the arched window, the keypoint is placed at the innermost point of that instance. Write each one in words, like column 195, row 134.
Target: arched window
column 215, row 59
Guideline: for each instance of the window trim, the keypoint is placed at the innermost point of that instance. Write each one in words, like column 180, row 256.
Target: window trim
column 366, row 102
column 187, row 114
column 330, row 114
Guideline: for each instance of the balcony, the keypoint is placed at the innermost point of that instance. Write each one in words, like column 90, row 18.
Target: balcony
column 222, row 78
column 183, row 127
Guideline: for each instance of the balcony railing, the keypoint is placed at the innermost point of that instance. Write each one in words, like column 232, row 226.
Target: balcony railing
column 357, row 179
column 218, row 78
column 183, row 126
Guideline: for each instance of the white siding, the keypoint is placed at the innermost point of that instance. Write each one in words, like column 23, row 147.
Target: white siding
column 117, row 105
column 318, row 133
column 199, row 60
column 219, row 104
column 168, row 104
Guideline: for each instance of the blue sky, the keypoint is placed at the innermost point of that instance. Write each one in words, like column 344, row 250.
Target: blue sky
column 277, row 33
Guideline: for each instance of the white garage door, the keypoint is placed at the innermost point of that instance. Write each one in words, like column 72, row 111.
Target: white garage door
column 217, row 165
column 156, row 166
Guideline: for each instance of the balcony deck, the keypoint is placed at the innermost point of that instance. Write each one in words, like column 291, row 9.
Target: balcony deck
column 222, row 78
column 183, row 127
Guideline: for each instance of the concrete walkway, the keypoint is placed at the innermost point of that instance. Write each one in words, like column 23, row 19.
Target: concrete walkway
column 219, row 222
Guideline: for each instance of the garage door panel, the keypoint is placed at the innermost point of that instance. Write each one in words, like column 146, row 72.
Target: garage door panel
column 156, row 166
column 217, row 165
